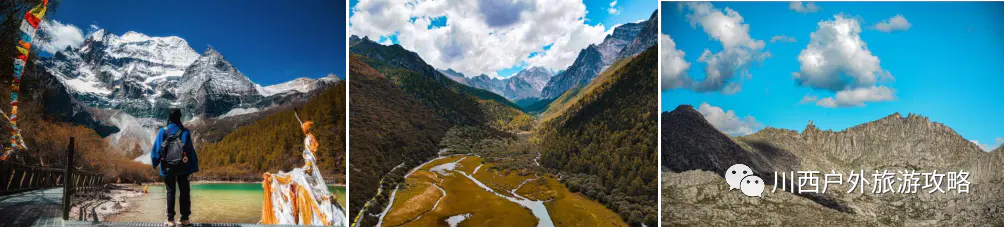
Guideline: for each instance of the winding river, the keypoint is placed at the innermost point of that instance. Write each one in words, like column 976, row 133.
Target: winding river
column 536, row 207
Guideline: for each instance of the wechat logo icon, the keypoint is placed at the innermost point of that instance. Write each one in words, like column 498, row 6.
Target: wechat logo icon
column 741, row 177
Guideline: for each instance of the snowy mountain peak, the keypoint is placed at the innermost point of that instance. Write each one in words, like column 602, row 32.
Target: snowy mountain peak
column 332, row 77
column 210, row 51
column 302, row 85
column 214, row 69
column 132, row 36
column 97, row 35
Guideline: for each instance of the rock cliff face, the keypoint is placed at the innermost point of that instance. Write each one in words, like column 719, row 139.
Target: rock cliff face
column 693, row 156
column 211, row 86
column 625, row 41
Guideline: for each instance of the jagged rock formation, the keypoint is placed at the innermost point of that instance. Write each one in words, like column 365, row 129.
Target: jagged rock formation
column 211, row 86
column 122, row 86
column 143, row 76
column 646, row 37
column 132, row 72
column 302, row 85
column 692, row 154
column 626, row 40
column 526, row 84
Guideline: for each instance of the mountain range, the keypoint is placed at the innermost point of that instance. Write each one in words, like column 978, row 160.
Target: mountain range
column 526, row 84
column 128, row 82
column 626, row 40
column 538, row 84
column 695, row 156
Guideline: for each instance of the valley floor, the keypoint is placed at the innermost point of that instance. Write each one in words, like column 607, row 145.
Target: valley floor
column 467, row 189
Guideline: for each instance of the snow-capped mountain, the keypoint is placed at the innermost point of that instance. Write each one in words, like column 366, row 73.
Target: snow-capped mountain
column 626, row 40
column 128, row 82
column 128, row 72
column 302, row 84
column 143, row 76
column 525, row 84
column 211, row 86
column 537, row 77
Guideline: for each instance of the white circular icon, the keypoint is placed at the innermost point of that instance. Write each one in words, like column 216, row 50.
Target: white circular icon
column 752, row 186
column 735, row 174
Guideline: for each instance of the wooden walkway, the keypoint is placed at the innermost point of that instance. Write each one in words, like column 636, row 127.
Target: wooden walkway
column 33, row 208
column 145, row 224
column 42, row 208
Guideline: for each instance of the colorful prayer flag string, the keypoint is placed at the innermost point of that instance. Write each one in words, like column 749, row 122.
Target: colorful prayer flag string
column 29, row 26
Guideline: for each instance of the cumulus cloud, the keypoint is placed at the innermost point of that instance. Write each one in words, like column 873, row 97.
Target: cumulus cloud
column 896, row 23
column 837, row 60
column 857, row 97
column 782, row 38
column 59, row 36
column 728, row 122
column 613, row 10
column 674, row 68
column 502, row 13
column 808, row 7
column 739, row 50
column 481, row 36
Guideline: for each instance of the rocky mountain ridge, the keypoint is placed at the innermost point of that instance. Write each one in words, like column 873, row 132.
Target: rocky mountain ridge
column 525, row 84
column 121, row 86
column 143, row 76
column 626, row 40
column 693, row 151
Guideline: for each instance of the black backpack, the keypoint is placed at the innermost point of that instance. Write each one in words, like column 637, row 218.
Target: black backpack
column 172, row 151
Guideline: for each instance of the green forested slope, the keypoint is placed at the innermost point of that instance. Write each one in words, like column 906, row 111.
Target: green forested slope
column 275, row 142
column 604, row 140
column 389, row 129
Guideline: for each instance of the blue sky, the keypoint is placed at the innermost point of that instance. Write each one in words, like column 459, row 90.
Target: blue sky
column 380, row 26
column 948, row 65
column 268, row 41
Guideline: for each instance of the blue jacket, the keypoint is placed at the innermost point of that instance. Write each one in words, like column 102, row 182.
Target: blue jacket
column 186, row 138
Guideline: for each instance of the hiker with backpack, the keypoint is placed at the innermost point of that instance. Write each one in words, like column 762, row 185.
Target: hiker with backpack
column 173, row 151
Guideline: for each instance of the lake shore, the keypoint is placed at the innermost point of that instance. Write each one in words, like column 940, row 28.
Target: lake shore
column 113, row 200
column 223, row 182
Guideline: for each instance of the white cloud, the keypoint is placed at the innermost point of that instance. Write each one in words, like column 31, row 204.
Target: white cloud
column 60, row 36
column 674, row 68
column 984, row 147
column 481, row 36
column 808, row 99
column 613, row 10
column 896, row 23
column 809, row 7
column 739, row 50
column 728, row 122
column 857, row 97
column 999, row 140
column 837, row 60
column 782, row 38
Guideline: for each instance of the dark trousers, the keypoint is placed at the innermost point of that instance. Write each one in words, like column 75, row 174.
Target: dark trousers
column 174, row 183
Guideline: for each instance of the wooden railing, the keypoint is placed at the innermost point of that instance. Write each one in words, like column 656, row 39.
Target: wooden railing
column 17, row 178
